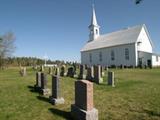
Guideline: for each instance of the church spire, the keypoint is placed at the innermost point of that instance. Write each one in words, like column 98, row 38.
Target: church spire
column 93, row 27
column 94, row 19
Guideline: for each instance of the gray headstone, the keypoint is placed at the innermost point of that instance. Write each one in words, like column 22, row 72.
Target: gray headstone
column 44, row 89
column 90, row 74
column 111, row 79
column 70, row 72
column 50, row 70
column 97, row 74
column 23, row 71
column 35, row 67
column 92, row 71
column 43, row 80
column 42, row 68
column 57, row 71
column 63, row 71
column 55, row 98
column 82, row 72
column 55, row 87
column 38, row 79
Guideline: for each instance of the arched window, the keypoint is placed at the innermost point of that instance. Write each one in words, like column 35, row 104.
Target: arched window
column 96, row 31
column 157, row 58
column 126, row 53
column 90, row 57
column 91, row 31
column 100, row 56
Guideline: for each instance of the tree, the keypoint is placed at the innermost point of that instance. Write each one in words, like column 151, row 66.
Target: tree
column 138, row 1
column 6, row 47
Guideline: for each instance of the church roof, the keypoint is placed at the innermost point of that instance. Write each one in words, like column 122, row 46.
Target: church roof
column 121, row 37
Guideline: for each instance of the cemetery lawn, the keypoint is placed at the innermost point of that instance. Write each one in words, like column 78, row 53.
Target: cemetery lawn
column 135, row 97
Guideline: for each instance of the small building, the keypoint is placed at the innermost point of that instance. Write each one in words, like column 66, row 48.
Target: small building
column 128, row 47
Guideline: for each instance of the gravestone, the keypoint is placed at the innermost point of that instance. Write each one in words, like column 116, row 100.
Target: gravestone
column 63, row 71
column 42, row 68
column 83, row 109
column 44, row 89
column 111, row 79
column 57, row 71
column 38, row 81
column 35, row 67
column 56, row 97
column 97, row 74
column 90, row 73
column 82, row 72
column 107, row 68
column 121, row 66
column 23, row 71
column 75, row 68
column 50, row 70
column 70, row 72
column 102, row 71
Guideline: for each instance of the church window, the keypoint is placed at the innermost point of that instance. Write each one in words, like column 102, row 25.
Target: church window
column 112, row 55
column 157, row 58
column 100, row 56
column 90, row 57
column 127, row 54
column 91, row 31
column 96, row 31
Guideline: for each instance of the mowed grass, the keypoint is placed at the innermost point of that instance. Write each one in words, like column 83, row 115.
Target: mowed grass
column 135, row 97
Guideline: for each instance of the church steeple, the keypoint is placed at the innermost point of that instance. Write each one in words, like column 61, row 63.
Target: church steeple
column 93, row 27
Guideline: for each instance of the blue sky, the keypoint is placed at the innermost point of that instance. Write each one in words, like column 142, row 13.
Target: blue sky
column 59, row 28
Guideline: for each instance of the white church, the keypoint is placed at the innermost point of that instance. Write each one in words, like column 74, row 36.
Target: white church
column 128, row 47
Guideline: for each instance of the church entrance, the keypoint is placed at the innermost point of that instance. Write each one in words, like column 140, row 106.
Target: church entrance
column 149, row 63
column 140, row 62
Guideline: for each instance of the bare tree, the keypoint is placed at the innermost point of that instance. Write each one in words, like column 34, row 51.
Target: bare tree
column 6, row 47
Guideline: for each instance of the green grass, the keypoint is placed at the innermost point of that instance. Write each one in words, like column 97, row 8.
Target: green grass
column 135, row 97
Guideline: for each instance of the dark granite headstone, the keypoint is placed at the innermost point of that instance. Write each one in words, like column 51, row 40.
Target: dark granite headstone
column 97, row 74
column 38, row 81
column 70, row 72
column 89, row 73
column 44, row 89
column 55, row 98
column 55, row 87
column 63, row 72
column 111, row 79
column 43, row 80
column 82, row 72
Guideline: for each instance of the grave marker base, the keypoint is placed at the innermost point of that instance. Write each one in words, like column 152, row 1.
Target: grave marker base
column 45, row 91
column 56, row 101
column 79, row 114
column 82, row 77
column 99, row 81
column 37, row 88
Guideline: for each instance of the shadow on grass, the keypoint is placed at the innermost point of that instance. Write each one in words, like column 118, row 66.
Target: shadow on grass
column 152, row 113
column 64, row 114
column 43, row 99
column 32, row 89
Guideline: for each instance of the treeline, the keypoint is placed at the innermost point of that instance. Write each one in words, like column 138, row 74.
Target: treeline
column 22, row 61
column 29, row 61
